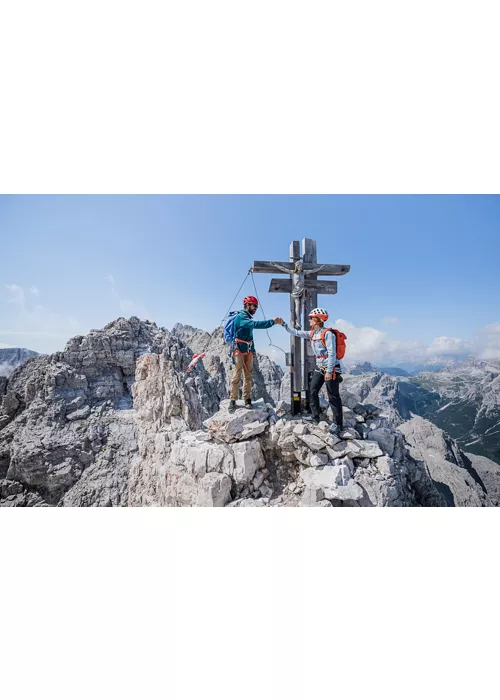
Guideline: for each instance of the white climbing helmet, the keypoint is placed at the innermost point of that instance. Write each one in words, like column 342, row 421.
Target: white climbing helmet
column 319, row 313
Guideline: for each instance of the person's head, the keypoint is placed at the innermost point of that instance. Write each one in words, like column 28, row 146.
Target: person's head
column 250, row 304
column 317, row 318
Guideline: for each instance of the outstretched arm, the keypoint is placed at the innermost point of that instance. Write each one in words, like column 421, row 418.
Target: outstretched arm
column 293, row 331
column 250, row 323
column 315, row 271
column 281, row 268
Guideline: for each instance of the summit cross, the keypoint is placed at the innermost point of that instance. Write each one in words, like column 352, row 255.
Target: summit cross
column 303, row 287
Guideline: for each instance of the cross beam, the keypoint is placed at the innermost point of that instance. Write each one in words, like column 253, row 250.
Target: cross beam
column 303, row 287
column 318, row 286
column 260, row 266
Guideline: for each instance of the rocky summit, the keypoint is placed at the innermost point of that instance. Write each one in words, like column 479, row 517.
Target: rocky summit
column 114, row 420
column 462, row 399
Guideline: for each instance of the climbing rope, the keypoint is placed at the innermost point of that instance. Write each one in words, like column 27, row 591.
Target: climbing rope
column 229, row 309
column 201, row 355
column 261, row 308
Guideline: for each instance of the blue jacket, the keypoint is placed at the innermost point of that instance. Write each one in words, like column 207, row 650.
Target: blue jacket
column 243, row 329
column 328, row 355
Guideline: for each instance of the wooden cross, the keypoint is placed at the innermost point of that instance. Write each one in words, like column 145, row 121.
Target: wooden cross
column 303, row 287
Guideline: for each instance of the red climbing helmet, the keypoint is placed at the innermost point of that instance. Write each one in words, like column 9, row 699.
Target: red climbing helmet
column 250, row 300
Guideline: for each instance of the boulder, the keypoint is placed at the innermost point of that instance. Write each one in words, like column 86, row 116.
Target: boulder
column 312, row 496
column 350, row 434
column 365, row 448
column 385, row 465
column 367, row 409
column 240, row 425
column 248, row 458
column 339, row 450
column 318, row 459
column 326, row 477
column 283, row 407
column 313, row 442
column 214, row 490
column 348, row 492
column 80, row 414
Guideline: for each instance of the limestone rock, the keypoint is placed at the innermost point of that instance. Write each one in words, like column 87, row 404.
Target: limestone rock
column 313, row 442
column 238, row 425
column 350, row 434
column 146, row 434
column 385, row 439
column 318, row 459
column 214, row 490
column 312, row 495
column 385, row 465
column 459, row 484
column 81, row 414
column 283, row 407
column 218, row 367
column 248, row 458
column 351, row 491
column 365, row 448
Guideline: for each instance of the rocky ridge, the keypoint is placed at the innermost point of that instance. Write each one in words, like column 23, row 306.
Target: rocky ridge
column 463, row 399
column 267, row 374
column 114, row 420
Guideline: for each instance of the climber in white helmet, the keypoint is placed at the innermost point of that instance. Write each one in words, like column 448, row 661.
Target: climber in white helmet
column 329, row 346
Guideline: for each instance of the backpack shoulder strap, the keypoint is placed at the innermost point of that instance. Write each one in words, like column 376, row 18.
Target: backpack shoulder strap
column 323, row 333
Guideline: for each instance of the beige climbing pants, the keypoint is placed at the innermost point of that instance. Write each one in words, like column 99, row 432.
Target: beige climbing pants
column 242, row 363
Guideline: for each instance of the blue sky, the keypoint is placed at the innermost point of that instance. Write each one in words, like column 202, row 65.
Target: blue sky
column 422, row 267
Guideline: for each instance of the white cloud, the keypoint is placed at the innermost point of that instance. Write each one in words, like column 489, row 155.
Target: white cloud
column 35, row 291
column 373, row 345
column 38, row 323
column 444, row 346
column 4, row 346
column 390, row 320
column 488, row 342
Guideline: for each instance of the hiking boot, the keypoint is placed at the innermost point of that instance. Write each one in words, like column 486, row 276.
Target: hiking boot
column 316, row 419
column 336, row 430
column 232, row 406
column 248, row 403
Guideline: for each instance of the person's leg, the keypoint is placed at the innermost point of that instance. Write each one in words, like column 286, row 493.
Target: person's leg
column 248, row 377
column 235, row 381
column 317, row 381
column 332, row 387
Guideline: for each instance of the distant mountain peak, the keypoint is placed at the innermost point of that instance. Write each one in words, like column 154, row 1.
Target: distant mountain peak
column 10, row 358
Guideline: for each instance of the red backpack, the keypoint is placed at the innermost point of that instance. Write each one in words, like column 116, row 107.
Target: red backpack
column 340, row 338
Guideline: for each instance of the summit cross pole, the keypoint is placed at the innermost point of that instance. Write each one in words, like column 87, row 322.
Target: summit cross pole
column 303, row 287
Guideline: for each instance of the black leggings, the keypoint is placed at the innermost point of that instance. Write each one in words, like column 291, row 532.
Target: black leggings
column 332, row 387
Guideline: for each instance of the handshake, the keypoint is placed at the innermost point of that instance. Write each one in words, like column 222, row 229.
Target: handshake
column 278, row 320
